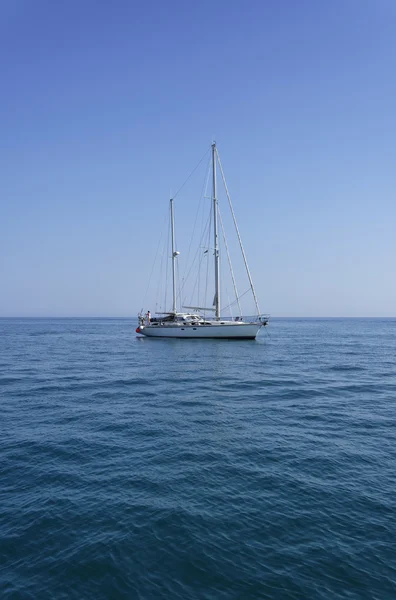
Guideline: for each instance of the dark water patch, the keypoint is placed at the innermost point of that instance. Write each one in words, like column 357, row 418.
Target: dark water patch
column 10, row 380
column 44, row 333
column 346, row 368
column 81, row 385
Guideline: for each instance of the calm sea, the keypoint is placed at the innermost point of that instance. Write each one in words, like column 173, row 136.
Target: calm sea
column 192, row 469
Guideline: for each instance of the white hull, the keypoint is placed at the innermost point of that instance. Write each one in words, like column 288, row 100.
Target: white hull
column 227, row 331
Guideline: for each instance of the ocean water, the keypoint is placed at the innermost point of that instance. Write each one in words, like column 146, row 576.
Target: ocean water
column 197, row 469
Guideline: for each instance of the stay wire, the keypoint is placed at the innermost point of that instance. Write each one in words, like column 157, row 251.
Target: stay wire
column 235, row 301
column 207, row 264
column 191, row 174
column 186, row 278
column 167, row 264
column 201, row 196
column 229, row 262
column 154, row 262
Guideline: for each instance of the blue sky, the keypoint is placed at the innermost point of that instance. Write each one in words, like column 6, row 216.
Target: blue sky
column 107, row 106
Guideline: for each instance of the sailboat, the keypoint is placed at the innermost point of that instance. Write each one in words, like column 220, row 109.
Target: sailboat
column 194, row 324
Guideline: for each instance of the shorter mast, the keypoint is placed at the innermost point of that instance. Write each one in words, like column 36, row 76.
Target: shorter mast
column 216, row 237
column 174, row 255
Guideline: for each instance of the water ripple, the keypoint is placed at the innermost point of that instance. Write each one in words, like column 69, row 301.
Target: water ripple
column 153, row 469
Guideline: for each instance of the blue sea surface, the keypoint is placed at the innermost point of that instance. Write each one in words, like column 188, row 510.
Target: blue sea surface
column 197, row 469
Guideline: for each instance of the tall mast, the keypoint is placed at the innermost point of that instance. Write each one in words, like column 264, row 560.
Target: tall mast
column 174, row 255
column 216, row 237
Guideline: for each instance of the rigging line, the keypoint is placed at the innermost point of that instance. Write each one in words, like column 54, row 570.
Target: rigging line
column 191, row 174
column 185, row 279
column 206, row 197
column 238, row 234
column 197, row 282
column 155, row 260
column 177, row 274
column 232, row 303
column 207, row 262
column 167, row 262
column 201, row 257
column 198, row 277
column 229, row 261
column 178, row 296
column 204, row 187
column 228, row 298
column 160, row 281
